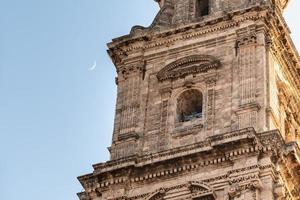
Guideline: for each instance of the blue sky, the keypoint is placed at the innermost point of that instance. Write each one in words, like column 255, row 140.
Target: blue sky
column 56, row 116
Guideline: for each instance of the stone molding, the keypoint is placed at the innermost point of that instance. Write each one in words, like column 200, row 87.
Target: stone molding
column 157, row 195
column 264, row 143
column 204, row 188
column 179, row 151
column 118, row 47
column 290, row 163
column 200, row 189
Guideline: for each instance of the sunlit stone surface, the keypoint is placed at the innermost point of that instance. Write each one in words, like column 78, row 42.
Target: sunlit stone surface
column 207, row 107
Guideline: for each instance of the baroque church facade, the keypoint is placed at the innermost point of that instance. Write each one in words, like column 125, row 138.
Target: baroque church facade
column 208, row 106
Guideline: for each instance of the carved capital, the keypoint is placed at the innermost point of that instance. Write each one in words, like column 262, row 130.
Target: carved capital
column 246, row 40
column 125, row 71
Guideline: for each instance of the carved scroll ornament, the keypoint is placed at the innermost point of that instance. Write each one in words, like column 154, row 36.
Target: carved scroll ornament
column 188, row 65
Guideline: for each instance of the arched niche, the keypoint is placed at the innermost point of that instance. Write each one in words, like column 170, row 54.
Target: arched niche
column 189, row 105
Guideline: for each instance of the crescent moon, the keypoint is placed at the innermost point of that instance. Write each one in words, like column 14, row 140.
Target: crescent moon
column 93, row 66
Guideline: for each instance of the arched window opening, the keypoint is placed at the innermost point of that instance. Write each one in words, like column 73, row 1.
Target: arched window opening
column 189, row 105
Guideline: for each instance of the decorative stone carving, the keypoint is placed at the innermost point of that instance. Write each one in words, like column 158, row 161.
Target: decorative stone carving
column 125, row 71
column 157, row 195
column 246, row 40
column 188, row 65
column 279, row 191
column 234, row 191
column 201, row 191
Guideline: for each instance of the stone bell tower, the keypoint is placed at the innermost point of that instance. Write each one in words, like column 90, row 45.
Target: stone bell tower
column 208, row 106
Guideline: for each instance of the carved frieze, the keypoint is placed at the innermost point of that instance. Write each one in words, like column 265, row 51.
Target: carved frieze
column 125, row 71
column 236, row 190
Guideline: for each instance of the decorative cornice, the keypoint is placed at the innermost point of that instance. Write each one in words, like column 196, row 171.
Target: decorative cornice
column 283, row 47
column 247, row 133
column 290, row 165
column 222, row 139
column 175, row 152
column 83, row 196
column 266, row 143
column 120, row 47
column 204, row 188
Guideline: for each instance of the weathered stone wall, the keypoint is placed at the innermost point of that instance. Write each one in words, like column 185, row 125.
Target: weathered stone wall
column 239, row 62
column 234, row 94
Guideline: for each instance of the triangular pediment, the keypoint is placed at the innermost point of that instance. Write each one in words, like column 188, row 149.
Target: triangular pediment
column 188, row 65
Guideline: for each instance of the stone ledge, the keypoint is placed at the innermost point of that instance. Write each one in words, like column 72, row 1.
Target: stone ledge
column 247, row 179
column 204, row 146
column 266, row 142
